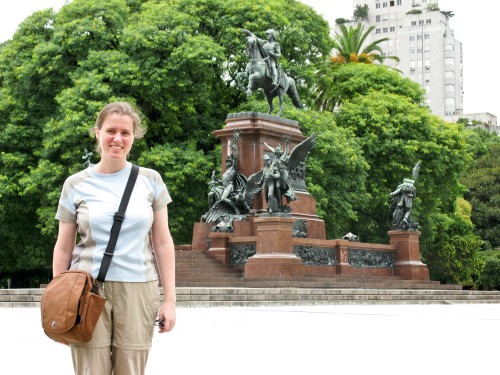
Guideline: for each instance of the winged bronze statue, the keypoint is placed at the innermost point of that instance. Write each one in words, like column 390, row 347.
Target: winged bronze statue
column 239, row 203
column 286, row 173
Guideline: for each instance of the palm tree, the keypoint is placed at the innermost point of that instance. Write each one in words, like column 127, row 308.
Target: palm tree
column 349, row 46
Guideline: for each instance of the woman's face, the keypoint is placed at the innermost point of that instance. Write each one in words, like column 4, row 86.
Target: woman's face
column 116, row 136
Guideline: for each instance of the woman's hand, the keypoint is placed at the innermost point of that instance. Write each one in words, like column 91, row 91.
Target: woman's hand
column 166, row 317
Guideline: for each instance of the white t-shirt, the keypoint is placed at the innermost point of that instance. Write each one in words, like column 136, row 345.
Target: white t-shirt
column 90, row 200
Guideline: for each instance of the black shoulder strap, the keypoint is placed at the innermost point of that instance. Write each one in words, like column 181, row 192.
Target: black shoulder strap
column 117, row 224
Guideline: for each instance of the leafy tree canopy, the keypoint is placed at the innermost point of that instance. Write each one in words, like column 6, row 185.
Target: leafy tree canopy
column 483, row 183
column 175, row 59
column 337, row 83
column 351, row 47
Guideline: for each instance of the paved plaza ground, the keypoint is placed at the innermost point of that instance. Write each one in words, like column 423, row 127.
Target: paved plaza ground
column 338, row 339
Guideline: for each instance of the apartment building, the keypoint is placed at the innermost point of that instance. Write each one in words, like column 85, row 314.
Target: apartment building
column 420, row 35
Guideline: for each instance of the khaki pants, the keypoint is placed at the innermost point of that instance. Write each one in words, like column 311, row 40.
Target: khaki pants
column 122, row 338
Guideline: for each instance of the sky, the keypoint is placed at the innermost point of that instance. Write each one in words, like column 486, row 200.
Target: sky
column 474, row 24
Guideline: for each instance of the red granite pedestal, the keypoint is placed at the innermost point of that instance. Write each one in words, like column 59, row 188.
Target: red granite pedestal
column 407, row 263
column 274, row 250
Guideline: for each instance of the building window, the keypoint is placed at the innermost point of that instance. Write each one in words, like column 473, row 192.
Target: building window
column 427, row 48
column 419, row 50
column 412, row 38
column 419, row 36
column 377, row 31
column 428, row 21
column 400, row 2
column 414, row 23
column 384, row 5
column 385, row 29
column 377, row 6
column 391, row 3
column 412, row 51
column 449, row 102
column 421, row 22
column 392, row 29
column 377, row 18
column 427, row 36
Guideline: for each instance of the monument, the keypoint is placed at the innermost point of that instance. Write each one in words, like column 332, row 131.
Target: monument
column 404, row 231
column 260, row 215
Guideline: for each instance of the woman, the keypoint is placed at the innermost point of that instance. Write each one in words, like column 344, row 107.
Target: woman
column 89, row 199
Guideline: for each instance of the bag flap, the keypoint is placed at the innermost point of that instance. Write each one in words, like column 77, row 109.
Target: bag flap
column 60, row 301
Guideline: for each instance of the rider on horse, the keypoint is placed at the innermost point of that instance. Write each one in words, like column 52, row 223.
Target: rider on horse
column 269, row 48
column 263, row 71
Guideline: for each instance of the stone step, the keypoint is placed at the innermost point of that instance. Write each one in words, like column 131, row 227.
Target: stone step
column 207, row 279
column 220, row 282
column 266, row 296
column 199, row 269
column 216, row 297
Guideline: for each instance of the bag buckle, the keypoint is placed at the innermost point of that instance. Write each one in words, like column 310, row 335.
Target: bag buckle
column 119, row 216
column 99, row 285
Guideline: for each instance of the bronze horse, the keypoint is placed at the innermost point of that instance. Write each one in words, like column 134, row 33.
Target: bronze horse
column 258, row 75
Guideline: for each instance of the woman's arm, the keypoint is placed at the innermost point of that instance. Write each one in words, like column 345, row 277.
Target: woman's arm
column 163, row 246
column 63, row 248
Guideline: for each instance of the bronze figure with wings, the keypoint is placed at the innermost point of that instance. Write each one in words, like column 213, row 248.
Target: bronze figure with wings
column 233, row 194
column 283, row 172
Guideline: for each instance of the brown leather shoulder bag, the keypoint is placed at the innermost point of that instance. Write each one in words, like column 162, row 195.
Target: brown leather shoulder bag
column 71, row 307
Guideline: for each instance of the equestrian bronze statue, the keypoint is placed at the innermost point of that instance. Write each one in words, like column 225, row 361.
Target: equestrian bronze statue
column 263, row 71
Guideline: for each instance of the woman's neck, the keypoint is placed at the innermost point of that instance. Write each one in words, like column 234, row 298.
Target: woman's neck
column 109, row 168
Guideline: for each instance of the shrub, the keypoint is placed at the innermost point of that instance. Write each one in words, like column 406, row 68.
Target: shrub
column 489, row 279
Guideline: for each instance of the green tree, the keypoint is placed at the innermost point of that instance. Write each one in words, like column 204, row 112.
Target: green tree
column 176, row 60
column 453, row 252
column 483, row 184
column 479, row 141
column 394, row 134
column 337, row 83
column 361, row 12
column 489, row 278
column 350, row 46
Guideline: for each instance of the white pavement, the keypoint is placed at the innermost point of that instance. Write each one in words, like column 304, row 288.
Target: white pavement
column 306, row 340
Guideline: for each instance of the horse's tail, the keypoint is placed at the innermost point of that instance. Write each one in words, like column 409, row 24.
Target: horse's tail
column 293, row 94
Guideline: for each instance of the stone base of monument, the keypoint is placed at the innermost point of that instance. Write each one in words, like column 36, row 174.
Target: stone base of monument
column 263, row 246
column 407, row 263
column 294, row 245
column 274, row 249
